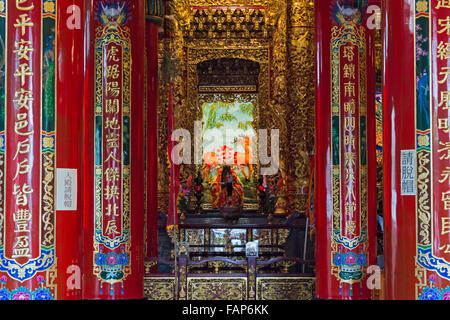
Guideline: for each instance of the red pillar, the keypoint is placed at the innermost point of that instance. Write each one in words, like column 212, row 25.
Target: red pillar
column 69, row 146
column 38, row 240
column 154, row 16
column 345, row 151
column 417, row 211
column 114, row 154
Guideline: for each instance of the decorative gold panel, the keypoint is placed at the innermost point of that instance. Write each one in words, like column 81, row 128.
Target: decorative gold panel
column 156, row 288
column 195, row 237
column 224, row 89
column 217, row 289
column 216, row 22
column 285, row 52
column 224, row 288
column 228, row 2
column 289, row 288
column 226, row 19
column 301, row 97
column 193, row 111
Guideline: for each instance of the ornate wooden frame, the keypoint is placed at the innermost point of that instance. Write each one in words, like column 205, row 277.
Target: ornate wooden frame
column 286, row 46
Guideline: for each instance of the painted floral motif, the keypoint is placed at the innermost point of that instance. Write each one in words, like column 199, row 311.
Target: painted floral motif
column 21, row 293
column 100, row 259
column 350, row 265
column 111, row 260
column 433, row 293
column 42, row 294
column 351, row 260
column 421, row 40
column 338, row 259
column 446, row 294
column 4, row 294
column 123, row 259
column 112, row 264
column 430, row 294
column 362, row 259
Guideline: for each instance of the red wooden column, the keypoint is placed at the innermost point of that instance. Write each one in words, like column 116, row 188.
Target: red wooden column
column 345, row 151
column 417, row 144
column 69, row 146
column 32, row 265
column 114, row 154
column 154, row 18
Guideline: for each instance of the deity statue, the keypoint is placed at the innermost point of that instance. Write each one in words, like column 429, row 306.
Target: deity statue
column 227, row 189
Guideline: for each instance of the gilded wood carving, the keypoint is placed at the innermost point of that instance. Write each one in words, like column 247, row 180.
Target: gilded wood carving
column 279, row 35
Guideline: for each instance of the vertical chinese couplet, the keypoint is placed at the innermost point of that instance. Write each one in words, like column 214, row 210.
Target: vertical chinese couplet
column 432, row 25
column 112, row 148
column 27, row 150
column 349, row 243
column 349, row 171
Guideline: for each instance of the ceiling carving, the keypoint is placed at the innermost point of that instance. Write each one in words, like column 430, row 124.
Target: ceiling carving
column 228, row 72
column 204, row 19
column 228, row 23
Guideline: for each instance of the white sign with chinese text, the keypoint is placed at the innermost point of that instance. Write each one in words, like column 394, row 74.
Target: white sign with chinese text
column 408, row 172
column 66, row 189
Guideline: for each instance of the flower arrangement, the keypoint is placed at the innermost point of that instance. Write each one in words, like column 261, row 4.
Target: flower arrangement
column 268, row 195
